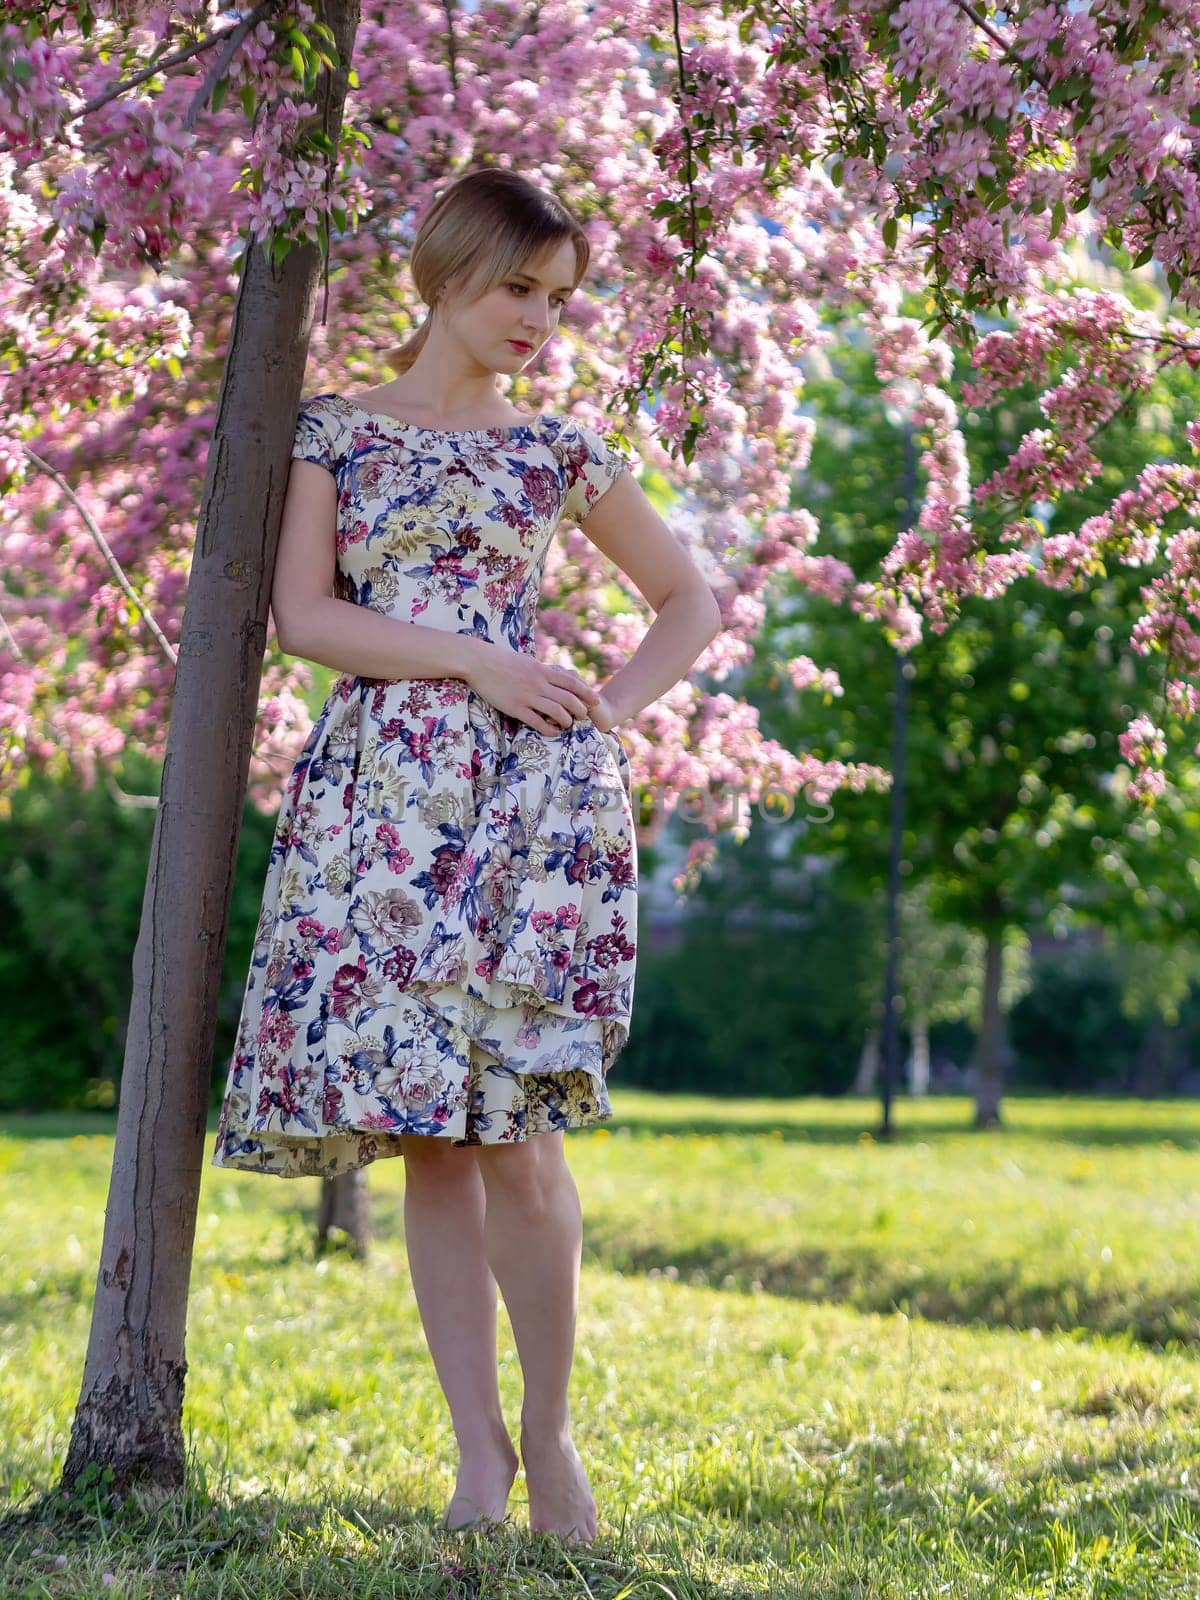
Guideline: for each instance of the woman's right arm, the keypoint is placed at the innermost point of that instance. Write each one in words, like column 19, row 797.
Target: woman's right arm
column 312, row 622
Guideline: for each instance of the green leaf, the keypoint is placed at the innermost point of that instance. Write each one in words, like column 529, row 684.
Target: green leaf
column 219, row 91
column 891, row 232
column 1067, row 89
column 1144, row 256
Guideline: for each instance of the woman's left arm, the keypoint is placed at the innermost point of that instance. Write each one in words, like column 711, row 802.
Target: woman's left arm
column 627, row 529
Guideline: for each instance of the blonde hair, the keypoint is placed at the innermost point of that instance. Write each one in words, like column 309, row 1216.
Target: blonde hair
column 485, row 225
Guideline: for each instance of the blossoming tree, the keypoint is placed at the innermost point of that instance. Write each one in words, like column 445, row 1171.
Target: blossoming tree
column 171, row 176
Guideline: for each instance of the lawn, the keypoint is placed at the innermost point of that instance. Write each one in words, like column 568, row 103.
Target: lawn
column 809, row 1364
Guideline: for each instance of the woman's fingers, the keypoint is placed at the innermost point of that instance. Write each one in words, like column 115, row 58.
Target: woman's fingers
column 574, row 684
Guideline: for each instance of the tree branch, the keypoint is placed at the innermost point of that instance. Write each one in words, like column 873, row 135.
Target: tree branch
column 687, row 141
column 451, row 44
column 89, row 522
column 233, row 38
column 241, row 27
column 981, row 22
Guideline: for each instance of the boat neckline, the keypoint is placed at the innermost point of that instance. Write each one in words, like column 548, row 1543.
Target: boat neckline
column 497, row 429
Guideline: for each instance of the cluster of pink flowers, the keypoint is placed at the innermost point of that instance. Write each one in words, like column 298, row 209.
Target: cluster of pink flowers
column 34, row 83
column 1144, row 747
column 994, row 136
column 806, row 674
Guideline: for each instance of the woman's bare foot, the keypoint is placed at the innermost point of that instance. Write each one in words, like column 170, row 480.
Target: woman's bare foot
column 560, row 1500
column 482, row 1487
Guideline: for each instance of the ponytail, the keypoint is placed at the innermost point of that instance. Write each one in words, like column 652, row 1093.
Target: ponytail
column 403, row 356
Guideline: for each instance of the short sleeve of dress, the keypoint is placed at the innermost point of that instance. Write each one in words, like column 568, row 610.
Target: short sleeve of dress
column 316, row 433
column 593, row 466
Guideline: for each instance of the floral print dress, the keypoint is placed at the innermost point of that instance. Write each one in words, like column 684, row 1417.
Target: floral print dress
column 448, row 929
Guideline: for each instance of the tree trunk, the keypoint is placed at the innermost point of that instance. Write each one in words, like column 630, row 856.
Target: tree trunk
column 128, row 1416
column 918, row 1061
column 989, row 1060
column 344, row 1205
column 867, row 1075
column 1152, row 1069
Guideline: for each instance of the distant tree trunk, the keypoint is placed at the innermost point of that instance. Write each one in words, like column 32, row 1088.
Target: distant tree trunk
column 867, row 1075
column 128, row 1416
column 1152, row 1070
column 918, row 1061
column 345, row 1204
column 989, row 1057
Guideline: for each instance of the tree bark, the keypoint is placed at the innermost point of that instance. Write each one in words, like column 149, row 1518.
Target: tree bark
column 918, row 1061
column 1155, row 1060
column 129, row 1414
column 345, row 1205
column 989, row 1060
column 868, row 1065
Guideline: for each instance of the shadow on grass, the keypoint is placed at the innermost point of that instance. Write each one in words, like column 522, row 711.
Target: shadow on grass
column 870, row 1281
column 274, row 1547
column 661, row 1119
column 793, row 1516
column 1157, row 1120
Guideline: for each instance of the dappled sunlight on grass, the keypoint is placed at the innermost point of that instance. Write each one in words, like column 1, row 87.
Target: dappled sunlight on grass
column 740, row 1441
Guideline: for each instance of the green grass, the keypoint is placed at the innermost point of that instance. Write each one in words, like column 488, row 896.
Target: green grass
column 757, row 1414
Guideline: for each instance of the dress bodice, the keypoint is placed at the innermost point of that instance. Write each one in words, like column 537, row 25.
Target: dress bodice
column 451, row 529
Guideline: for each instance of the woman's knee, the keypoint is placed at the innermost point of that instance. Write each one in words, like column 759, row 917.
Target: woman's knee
column 529, row 1173
column 428, row 1159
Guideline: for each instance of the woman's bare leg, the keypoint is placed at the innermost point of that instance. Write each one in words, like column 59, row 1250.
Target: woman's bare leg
column 533, row 1236
column 456, row 1296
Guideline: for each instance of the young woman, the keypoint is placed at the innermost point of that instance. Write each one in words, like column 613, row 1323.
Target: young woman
column 444, row 964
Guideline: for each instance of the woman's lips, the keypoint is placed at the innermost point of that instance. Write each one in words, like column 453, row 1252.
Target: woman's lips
column 518, row 345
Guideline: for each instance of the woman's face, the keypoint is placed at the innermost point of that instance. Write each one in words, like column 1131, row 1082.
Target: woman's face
column 523, row 307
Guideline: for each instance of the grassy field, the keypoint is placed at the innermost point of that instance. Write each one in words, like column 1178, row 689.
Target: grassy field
column 808, row 1364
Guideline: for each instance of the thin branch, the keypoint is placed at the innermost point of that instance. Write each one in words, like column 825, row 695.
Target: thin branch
column 1009, row 54
column 527, row 28
column 123, row 796
column 219, row 67
column 165, row 645
column 13, row 645
column 451, row 44
column 687, row 142
column 185, row 54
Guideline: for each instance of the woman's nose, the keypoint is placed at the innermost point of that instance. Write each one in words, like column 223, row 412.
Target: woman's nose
column 537, row 326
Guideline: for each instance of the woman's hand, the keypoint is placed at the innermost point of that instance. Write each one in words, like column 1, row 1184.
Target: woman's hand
column 550, row 699
column 605, row 714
